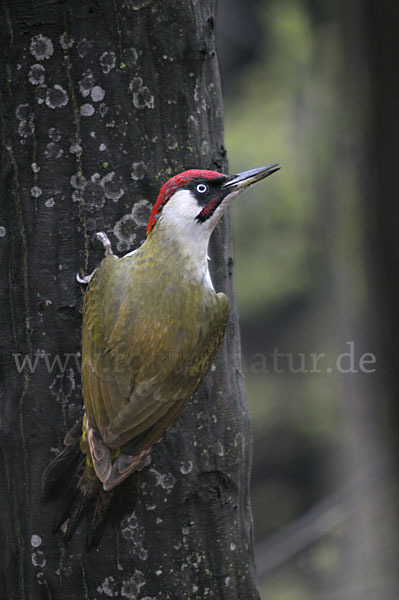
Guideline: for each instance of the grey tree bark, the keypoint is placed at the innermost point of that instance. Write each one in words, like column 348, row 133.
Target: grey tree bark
column 101, row 102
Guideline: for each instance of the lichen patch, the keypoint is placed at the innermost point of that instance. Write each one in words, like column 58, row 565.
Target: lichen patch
column 41, row 47
column 56, row 97
column 36, row 74
column 142, row 97
column 107, row 61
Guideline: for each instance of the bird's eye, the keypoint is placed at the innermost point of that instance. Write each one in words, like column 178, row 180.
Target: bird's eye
column 202, row 188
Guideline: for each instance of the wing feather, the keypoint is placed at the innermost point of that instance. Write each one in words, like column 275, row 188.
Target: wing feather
column 139, row 367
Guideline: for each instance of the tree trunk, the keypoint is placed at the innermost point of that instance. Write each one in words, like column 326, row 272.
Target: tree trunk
column 101, row 102
column 381, row 193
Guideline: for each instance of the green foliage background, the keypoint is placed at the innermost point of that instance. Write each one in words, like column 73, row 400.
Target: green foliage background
column 300, row 277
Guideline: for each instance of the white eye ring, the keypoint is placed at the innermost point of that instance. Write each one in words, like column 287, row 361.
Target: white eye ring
column 202, row 188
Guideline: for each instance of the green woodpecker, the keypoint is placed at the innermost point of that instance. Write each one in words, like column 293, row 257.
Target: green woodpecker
column 152, row 325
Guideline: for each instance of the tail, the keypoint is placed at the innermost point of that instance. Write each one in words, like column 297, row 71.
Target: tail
column 71, row 476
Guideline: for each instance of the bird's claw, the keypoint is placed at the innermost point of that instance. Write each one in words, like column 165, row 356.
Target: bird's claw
column 103, row 238
column 86, row 279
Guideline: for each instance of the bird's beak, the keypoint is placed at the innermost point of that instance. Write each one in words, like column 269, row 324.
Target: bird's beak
column 242, row 180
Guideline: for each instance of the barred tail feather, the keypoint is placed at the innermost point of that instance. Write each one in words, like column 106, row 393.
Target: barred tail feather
column 57, row 475
column 71, row 476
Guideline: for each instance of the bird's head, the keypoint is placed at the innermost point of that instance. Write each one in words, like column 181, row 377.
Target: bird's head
column 192, row 202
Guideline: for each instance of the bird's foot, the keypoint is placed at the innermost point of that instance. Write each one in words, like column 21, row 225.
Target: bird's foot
column 86, row 279
column 103, row 238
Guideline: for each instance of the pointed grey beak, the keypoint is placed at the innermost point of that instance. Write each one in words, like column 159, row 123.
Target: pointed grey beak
column 243, row 180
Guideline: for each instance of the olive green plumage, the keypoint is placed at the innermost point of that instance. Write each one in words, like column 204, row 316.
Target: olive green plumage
column 149, row 335
column 152, row 325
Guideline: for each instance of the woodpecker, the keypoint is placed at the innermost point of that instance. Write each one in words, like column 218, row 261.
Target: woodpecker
column 152, row 325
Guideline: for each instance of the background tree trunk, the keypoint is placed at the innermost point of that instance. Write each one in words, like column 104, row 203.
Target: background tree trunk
column 100, row 103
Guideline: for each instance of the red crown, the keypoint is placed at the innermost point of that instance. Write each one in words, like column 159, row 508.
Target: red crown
column 171, row 186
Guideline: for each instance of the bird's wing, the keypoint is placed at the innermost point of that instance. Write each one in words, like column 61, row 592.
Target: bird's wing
column 140, row 438
column 153, row 400
column 103, row 391
column 132, row 394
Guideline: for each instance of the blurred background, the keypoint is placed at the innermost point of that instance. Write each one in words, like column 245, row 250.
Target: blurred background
column 312, row 84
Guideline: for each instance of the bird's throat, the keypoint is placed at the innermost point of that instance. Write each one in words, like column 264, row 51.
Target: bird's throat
column 189, row 254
